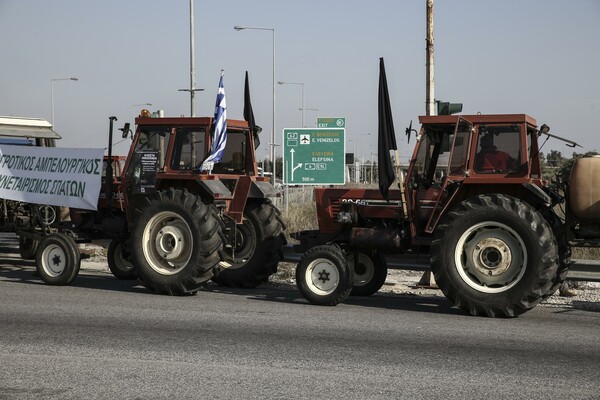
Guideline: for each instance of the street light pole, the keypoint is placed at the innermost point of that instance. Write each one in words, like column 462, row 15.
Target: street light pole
column 301, row 84
column 52, row 94
column 240, row 28
column 312, row 109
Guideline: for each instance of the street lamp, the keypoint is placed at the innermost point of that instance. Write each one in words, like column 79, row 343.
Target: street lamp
column 52, row 94
column 192, row 91
column 240, row 28
column 301, row 84
column 312, row 109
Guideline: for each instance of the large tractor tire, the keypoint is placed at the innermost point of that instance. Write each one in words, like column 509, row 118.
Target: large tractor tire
column 119, row 261
column 323, row 276
column 175, row 243
column 494, row 255
column 256, row 248
column 57, row 259
column 27, row 247
column 369, row 272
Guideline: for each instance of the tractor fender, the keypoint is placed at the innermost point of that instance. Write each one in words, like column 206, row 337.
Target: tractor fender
column 215, row 189
column 539, row 194
column 262, row 190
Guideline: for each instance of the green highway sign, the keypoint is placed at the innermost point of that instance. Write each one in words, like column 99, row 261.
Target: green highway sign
column 314, row 156
column 331, row 122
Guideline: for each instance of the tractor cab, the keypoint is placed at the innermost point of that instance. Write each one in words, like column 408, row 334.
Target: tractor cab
column 172, row 152
column 460, row 156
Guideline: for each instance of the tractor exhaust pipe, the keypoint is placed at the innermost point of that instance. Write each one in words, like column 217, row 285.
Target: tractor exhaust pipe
column 109, row 168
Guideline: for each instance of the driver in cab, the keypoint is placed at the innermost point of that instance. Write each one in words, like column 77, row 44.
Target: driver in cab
column 490, row 159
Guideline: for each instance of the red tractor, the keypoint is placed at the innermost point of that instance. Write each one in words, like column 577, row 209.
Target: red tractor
column 473, row 204
column 172, row 224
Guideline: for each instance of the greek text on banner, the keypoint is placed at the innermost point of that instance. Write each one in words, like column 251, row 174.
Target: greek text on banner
column 51, row 175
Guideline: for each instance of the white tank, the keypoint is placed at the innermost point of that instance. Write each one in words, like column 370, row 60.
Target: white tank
column 584, row 188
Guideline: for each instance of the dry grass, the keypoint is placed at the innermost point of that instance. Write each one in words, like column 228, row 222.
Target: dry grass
column 301, row 217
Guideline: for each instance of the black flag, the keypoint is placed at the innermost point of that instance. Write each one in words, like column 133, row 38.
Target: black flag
column 249, row 114
column 385, row 136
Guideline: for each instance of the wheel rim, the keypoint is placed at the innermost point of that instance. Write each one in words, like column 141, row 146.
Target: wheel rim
column 322, row 276
column 490, row 257
column 54, row 260
column 364, row 270
column 167, row 243
column 121, row 262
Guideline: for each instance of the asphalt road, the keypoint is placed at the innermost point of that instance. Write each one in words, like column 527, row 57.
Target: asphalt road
column 105, row 338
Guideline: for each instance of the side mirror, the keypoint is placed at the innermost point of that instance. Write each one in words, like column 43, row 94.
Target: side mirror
column 125, row 129
column 544, row 129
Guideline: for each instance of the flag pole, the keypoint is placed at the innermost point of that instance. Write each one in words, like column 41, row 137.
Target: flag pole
column 401, row 183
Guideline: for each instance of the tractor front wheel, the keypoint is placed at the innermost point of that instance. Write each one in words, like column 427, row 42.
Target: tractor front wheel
column 27, row 247
column 369, row 271
column 494, row 255
column 57, row 259
column 323, row 276
column 119, row 261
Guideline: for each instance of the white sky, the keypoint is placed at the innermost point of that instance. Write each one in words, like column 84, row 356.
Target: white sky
column 540, row 57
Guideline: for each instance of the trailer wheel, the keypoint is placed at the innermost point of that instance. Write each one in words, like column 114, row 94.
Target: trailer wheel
column 494, row 255
column 176, row 242
column 119, row 261
column 27, row 247
column 323, row 276
column 256, row 248
column 57, row 259
column 369, row 272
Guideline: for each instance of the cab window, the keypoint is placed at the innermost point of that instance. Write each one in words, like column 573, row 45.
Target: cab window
column 498, row 149
column 234, row 156
column 189, row 149
column 154, row 138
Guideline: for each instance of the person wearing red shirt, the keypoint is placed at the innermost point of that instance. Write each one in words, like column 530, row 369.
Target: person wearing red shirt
column 490, row 159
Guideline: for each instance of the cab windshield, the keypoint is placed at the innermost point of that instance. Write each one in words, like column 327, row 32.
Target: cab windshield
column 154, row 139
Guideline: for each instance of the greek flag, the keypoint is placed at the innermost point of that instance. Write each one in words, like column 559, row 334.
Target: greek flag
column 219, row 137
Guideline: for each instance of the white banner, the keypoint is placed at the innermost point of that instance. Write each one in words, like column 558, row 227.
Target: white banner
column 51, row 175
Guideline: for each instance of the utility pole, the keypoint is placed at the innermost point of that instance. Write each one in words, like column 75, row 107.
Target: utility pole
column 427, row 279
column 430, row 92
column 192, row 63
column 192, row 88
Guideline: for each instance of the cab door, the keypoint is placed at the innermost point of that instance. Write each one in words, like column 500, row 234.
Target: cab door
column 456, row 170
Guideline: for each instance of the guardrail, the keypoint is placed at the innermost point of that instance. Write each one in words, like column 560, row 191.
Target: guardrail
column 580, row 270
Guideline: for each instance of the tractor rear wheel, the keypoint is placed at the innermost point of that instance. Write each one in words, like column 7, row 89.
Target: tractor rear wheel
column 119, row 261
column 323, row 276
column 369, row 271
column 176, row 242
column 255, row 248
column 57, row 259
column 494, row 255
